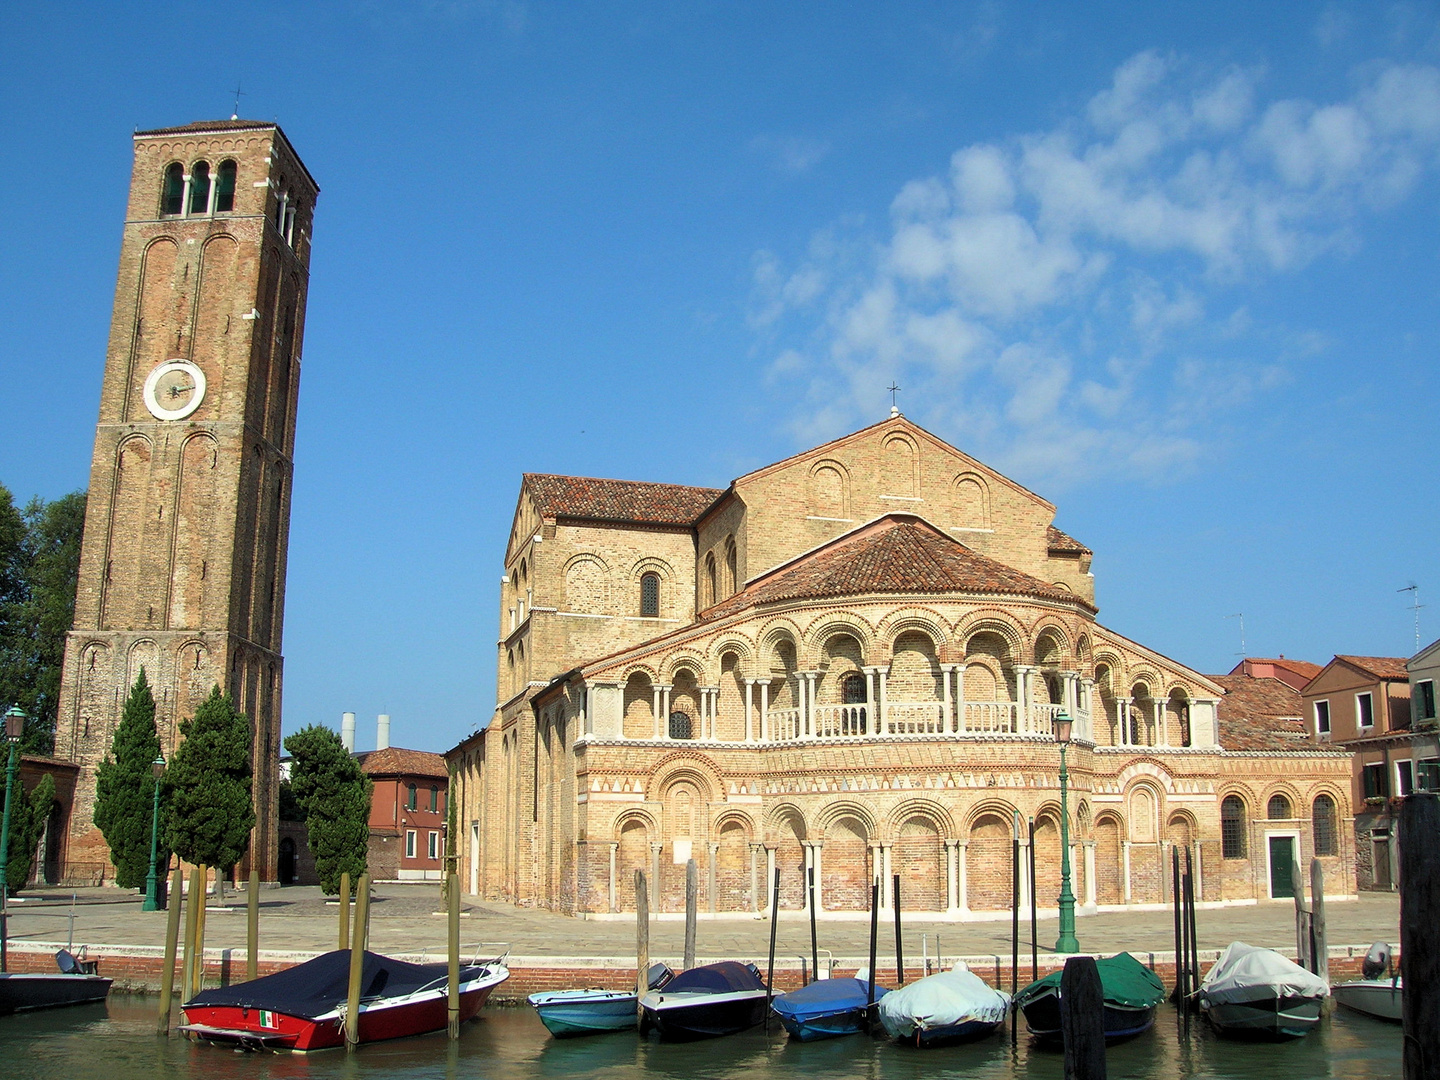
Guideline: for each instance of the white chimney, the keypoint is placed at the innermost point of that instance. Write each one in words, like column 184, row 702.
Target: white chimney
column 382, row 732
column 347, row 731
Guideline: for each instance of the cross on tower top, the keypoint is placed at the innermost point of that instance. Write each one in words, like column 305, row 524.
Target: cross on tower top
column 894, row 408
column 238, row 95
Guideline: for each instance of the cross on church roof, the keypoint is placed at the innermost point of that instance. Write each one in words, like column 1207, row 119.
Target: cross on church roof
column 894, row 408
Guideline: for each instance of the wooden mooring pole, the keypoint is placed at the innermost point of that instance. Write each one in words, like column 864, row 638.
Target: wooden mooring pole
column 642, row 940
column 1181, row 983
column 770, row 965
column 357, row 961
column 1420, row 934
column 874, row 941
column 899, row 949
column 1082, row 1019
column 197, row 982
column 172, row 935
column 1192, row 951
column 187, row 953
column 252, row 927
column 1014, row 926
column 814, row 941
column 1302, row 916
column 1034, row 913
column 343, row 939
column 1319, row 945
column 692, row 898
column 452, row 984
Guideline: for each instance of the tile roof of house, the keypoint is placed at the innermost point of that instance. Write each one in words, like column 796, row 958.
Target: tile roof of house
column 634, row 501
column 1261, row 714
column 898, row 553
column 394, row 761
column 1057, row 541
column 1301, row 667
column 1382, row 667
column 212, row 125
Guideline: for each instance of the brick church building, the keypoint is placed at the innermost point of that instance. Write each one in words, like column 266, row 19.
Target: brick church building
column 850, row 661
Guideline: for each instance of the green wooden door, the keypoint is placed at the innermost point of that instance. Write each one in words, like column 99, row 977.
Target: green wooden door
column 1282, row 864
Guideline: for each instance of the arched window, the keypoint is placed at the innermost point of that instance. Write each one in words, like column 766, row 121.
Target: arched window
column 1323, row 819
column 200, row 188
column 172, row 199
column 410, row 797
column 650, row 594
column 1278, row 808
column 225, row 188
column 852, row 689
column 731, row 581
column 680, row 725
column 434, row 799
column 708, row 594
column 1232, row 827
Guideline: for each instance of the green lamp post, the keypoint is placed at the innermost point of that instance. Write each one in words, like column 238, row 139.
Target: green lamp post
column 14, row 727
column 157, row 769
column 1067, row 942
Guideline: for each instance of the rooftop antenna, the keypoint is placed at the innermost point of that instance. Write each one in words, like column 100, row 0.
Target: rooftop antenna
column 1241, row 617
column 1415, row 605
column 238, row 95
column 894, row 408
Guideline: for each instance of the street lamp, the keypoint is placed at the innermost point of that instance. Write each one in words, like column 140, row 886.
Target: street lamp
column 14, row 727
column 152, row 903
column 1067, row 942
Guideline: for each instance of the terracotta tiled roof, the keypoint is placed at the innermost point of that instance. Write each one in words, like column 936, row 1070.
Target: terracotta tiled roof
column 1261, row 714
column 1382, row 667
column 619, row 500
column 897, row 554
column 1064, row 543
column 393, row 761
column 212, row 125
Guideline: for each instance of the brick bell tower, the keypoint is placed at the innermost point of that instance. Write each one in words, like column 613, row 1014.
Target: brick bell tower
column 182, row 570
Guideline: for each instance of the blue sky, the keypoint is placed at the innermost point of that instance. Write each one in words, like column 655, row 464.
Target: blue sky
column 1172, row 266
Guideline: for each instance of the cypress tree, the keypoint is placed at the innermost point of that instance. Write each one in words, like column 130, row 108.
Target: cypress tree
column 28, row 816
column 335, row 797
column 125, row 789
column 207, row 786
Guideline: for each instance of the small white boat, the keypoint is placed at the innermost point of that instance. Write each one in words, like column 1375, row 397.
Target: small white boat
column 952, row 1006
column 1379, row 998
column 1254, row 992
column 589, row 1012
column 1372, row 993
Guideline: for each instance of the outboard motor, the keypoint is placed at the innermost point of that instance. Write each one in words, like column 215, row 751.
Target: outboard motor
column 1377, row 961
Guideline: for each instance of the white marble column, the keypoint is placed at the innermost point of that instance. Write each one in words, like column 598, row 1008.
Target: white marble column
column 872, row 698
column 714, row 847
column 1122, row 717
column 765, row 732
column 1198, row 876
column 665, row 711
column 655, row 709
column 657, row 894
column 1125, row 870
column 816, row 848
column 947, row 722
column 1090, row 873
column 960, row 696
column 1087, row 703
column 952, row 878
column 1162, row 733
column 962, row 871
column 749, row 710
column 1023, row 689
column 614, row 846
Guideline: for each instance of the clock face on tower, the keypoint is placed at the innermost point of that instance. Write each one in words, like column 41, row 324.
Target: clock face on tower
column 174, row 390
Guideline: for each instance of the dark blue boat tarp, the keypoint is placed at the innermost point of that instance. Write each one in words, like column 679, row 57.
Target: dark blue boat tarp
column 726, row 977
column 825, row 997
column 317, row 986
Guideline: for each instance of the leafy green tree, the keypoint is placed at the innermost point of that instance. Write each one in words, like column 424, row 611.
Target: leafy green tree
column 209, row 811
column 334, row 795
column 125, row 789
column 39, row 569
column 28, row 817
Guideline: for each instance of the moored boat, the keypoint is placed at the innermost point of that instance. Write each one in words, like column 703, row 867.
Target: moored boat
column 1131, row 991
column 951, row 1006
column 715, row 999
column 1257, row 993
column 303, row 1007
column 590, row 1012
column 827, row 1007
column 1379, row 998
column 71, row 985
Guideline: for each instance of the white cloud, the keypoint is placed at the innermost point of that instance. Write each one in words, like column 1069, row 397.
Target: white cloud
column 1049, row 299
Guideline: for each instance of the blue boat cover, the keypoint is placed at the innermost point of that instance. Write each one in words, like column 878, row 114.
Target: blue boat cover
column 317, row 986
column 726, row 977
column 826, row 997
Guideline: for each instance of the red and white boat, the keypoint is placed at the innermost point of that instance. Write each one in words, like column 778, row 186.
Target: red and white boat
column 303, row 1007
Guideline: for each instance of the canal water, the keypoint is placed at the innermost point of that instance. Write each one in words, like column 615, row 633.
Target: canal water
column 116, row 1041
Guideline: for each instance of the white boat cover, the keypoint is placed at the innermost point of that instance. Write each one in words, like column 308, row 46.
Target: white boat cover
column 1249, row 973
column 941, row 1000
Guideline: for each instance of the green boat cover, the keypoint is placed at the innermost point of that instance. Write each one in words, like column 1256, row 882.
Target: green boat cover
column 1127, row 984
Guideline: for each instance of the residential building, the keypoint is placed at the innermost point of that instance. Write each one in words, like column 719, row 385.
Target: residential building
column 407, row 814
column 1362, row 703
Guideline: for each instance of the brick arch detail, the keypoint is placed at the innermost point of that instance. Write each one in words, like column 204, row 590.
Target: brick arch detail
column 684, row 660
column 847, row 808
column 731, row 816
column 727, row 643
column 907, row 620
column 987, row 808
column 832, row 623
column 1049, row 624
column 1143, row 768
column 993, row 621
column 1280, row 787
column 924, row 808
column 645, row 817
column 778, row 815
column 700, row 769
